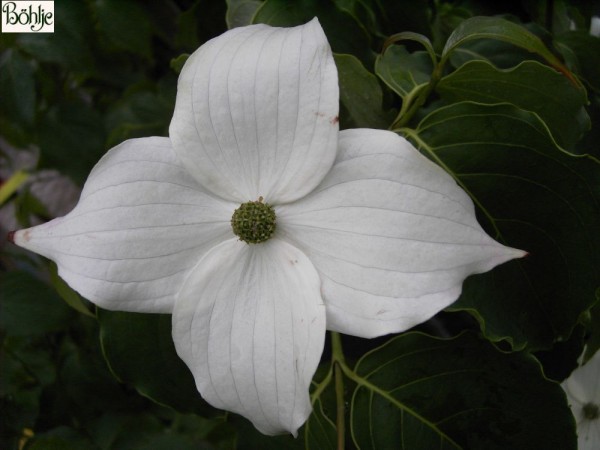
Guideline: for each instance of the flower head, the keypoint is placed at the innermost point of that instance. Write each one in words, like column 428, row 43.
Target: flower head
column 258, row 224
column 583, row 392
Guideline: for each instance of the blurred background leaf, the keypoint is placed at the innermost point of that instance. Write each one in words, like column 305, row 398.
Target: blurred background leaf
column 140, row 352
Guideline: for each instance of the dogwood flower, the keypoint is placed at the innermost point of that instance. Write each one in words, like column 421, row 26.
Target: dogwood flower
column 583, row 393
column 258, row 225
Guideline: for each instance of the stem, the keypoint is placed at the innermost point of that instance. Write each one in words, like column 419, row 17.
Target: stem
column 364, row 382
column 10, row 186
column 339, row 361
column 436, row 76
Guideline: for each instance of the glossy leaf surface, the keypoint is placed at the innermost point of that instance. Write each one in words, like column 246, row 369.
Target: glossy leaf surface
column 530, row 86
column 417, row 391
column 530, row 195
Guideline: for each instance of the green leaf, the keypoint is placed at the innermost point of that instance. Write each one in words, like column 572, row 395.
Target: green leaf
column 422, row 392
column 177, row 63
column 530, row 195
column 249, row 438
column 30, row 307
column 140, row 351
column 410, row 36
column 382, row 18
column 586, row 51
column 71, row 43
column 394, row 15
column 502, row 30
column 187, row 29
column 14, row 131
column 320, row 431
column 530, row 86
column 17, row 87
column 241, row 12
column 141, row 112
column 501, row 54
column 87, row 389
column 203, row 20
column 361, row 97
column 344, row 33
column 126, row 25
column 61, row 438
column 447, row 17
column 139, row 431
column 70, row 297
column 562, row 359
column 28, row 206
column 403, row 72
column 72, row 137
column 26, row 369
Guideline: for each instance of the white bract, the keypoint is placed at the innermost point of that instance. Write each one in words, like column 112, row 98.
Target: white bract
column 583, row 392
column 595, row 26
column 371, row 237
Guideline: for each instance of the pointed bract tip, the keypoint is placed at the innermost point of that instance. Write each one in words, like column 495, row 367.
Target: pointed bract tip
column 314, row 22
column 10, row 237
column 521, row 253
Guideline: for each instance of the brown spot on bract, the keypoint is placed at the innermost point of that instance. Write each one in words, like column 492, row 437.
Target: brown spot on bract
column 10, row 237
column 319, row 114
column 334, row 120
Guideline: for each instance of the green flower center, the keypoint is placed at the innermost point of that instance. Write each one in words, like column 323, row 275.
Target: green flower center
column 254, row 222
column 591, row 411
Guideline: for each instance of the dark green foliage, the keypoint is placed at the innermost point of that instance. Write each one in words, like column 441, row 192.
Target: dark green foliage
column 508, row 104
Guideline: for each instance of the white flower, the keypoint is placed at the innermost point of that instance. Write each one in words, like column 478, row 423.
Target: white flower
column 583, row 392
column 595, row 26
column 371, row 237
